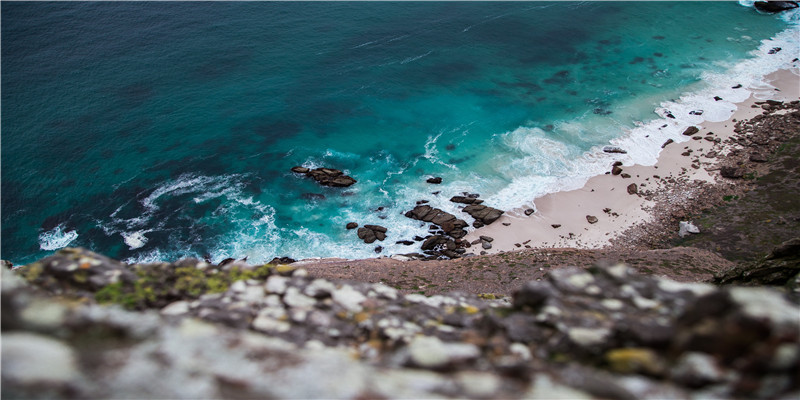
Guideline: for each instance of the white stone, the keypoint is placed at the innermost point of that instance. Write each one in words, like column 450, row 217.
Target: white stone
column 31, row 359
column 619, row 271
column 612, row 304
column 293, row 298
column 588, row 336
column 176, row 308
column 272, row 312
column 478, row 384
column 593, row 290
column 693, row 364
column 44, row 314
column 268, row 324
column 786, row 355
column 387, row 292
column 252, row 293
column 521, row 350
column 349, row 298
column 699, row 289
column 645, row 304
column 685, row 228
column 319, row 287
column 760, row 302
column 238, row 287
column 273, row 300
column 428, row 352
column 580, row 280
column 276, row 284
column 545, row 388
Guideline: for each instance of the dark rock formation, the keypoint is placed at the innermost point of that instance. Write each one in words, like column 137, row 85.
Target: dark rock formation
column 774, row 6
column 485, row 214
column 633, row 189
column 690, row 131
column 602, row 332
column 667, row 143
column 351, row 225
column 435, row 180
column 614, row 150
column 465, row 200
column 780, row 268
column 591, row 219
column 448, row 222
column 282, row 260
column 732, row 172
column 326, row 176
column 371, row 233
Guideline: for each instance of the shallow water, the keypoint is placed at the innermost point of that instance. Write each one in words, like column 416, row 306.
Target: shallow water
column 164, row 130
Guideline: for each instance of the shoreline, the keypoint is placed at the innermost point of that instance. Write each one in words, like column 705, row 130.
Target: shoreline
column 560, row 219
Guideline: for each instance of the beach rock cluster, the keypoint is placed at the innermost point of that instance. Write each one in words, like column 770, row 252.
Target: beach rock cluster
column 326, row 176
column 371, row 233
column 601, row 332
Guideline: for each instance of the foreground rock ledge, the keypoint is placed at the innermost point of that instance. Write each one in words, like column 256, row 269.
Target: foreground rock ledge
column 274, row 332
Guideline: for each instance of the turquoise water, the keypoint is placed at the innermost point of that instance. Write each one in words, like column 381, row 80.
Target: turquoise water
column 164, row 130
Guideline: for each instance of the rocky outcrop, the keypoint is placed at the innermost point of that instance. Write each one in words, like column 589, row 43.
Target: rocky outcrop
column 326, row 176
column 690, row 131
column 614, row 150
column 371, row 233
column 451, row 225
column 483, row 214
column 781, row 267
column 466, row 200
column 775, row 6
column 601, row 332
column 435, row 180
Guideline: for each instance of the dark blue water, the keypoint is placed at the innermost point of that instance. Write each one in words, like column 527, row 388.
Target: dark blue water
column 164, row 130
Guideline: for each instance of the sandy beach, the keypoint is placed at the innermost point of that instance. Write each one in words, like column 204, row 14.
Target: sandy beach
column 561, row 220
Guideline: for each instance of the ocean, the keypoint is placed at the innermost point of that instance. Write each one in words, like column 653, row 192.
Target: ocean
column 161, row 130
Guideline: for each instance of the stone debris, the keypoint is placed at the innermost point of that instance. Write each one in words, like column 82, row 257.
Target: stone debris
column 270, row 331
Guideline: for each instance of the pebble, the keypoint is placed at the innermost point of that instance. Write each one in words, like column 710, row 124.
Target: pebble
column 294, row 298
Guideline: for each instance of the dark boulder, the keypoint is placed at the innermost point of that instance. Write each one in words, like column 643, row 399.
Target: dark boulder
column 690, row 131
column 282, row 260
column 351, row 225
column 774, row 6
column 435, row 180
column 732, row 172
column 482, row 213
column 448, row 222
column 614, row 150
column 591, row 219
column 371, row 233
column 327, row 176
column 633, row 189
column 465, row 200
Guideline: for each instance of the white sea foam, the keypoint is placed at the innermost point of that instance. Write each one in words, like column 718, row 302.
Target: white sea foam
column 56, row 238
column 415, row 58
column 134, row 240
